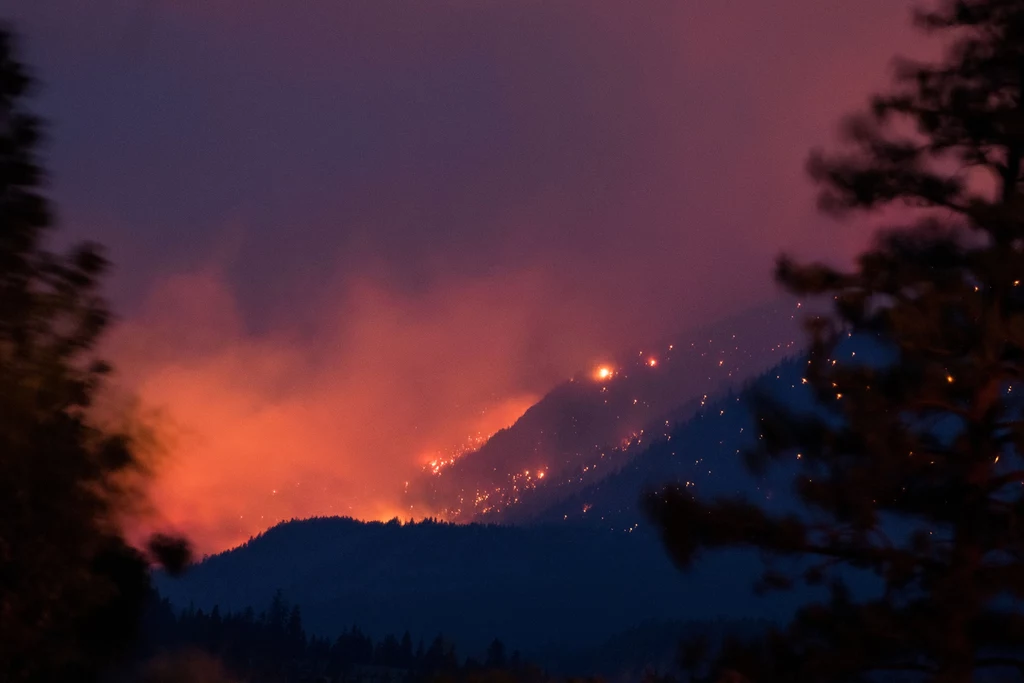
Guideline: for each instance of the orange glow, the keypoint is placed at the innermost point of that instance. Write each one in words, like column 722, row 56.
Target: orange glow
column 652, row 362
column 341, row 387
column 437, row 463
column 260, row 429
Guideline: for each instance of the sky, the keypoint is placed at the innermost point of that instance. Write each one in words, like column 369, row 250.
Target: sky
column 348, row 234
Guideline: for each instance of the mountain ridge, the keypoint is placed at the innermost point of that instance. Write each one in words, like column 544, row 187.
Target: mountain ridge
column 597, row 421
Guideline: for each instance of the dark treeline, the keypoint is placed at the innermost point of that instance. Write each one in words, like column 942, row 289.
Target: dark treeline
column 273, row 646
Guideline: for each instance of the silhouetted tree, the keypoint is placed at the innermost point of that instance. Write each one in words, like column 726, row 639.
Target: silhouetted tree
column 295, row 634
column 496, row 655
column 388, row 652
column 909, row 467
column 440, row 656
column 407, row 653
column 277, row 614
column 249, row 649
column 71, row 589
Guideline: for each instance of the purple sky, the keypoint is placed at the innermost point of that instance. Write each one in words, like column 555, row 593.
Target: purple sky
column 342, row 230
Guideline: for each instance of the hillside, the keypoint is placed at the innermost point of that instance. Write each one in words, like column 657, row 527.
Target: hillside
column 701, row 452
column 585, row 569
column 597, row 422
column 565, row 586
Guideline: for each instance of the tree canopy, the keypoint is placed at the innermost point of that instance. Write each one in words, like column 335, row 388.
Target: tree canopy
column 910, row 467
column 71, row 587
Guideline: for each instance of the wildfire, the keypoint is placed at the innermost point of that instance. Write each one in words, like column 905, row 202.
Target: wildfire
column 505, row 489
column 441, row 461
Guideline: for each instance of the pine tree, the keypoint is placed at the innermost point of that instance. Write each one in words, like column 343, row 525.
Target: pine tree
column 911, row 465
column 407, row 653
column 71, row 588
column 495, row 655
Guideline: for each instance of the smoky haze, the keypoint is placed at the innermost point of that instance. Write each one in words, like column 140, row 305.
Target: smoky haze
column 348, row 234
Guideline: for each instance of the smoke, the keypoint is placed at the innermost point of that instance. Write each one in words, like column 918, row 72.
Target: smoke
column 349, row 235
column 263, row 427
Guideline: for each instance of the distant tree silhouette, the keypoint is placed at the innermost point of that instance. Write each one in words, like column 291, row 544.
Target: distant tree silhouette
column 909, row 467
column 294, row 634
column 71, row 589
column 248, row 648
column 440, row 656
column 277, row 614
column 388, row 652
column 407, row 653
column 496, row 655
